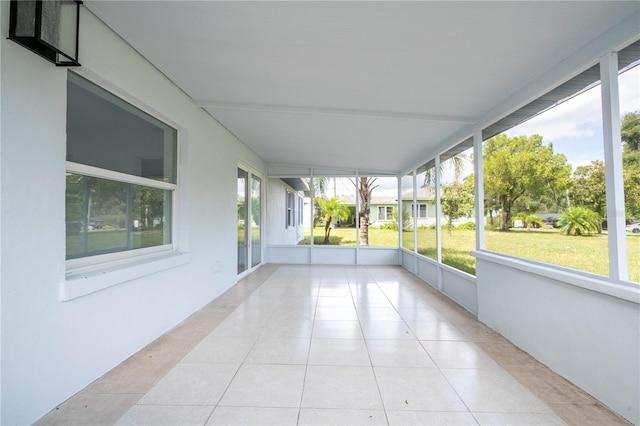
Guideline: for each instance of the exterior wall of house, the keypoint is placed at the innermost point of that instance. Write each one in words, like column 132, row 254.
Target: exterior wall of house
column 374, row 217
column 430, row 220
column 52, row 348
column 277, row 231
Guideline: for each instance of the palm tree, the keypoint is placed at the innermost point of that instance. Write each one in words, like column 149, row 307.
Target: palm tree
column 529, row 219
column 457, row 164
column 331, row 208
column 579, row 221
column 365, row 189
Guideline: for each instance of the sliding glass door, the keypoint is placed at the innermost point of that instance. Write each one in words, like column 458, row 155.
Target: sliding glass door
column 249, row 190
column 256, row 206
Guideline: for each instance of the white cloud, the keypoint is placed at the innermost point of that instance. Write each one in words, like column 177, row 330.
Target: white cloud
column 581, row 116
column 575, row 126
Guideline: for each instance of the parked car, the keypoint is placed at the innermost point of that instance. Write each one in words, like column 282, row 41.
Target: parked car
column 634, row 227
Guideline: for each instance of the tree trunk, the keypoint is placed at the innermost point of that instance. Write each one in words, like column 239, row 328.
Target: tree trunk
column 365, row 188
column 506, row 214
column 364, row 229
column 327, row 230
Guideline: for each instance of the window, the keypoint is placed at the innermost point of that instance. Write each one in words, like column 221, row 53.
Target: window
column 121, row 177
column 335, row 210
column 300, row 209
column 249, row 206
column 544, row 183
column 377, row 196
column 291, row 203
column 385, row 213
column 422, row 211
column 243, row 220
column 256, row 220
column 629, row 89
column 426, row 210
column 457, row 198
column 408, row 216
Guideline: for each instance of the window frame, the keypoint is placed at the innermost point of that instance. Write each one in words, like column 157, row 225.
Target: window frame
column 387, row 215
column 418, row 210
column 96, row 263
column 603, row 73
column 290, row 209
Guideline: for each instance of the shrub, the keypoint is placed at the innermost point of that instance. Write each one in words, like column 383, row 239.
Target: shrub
column 407, row 222
column 579, row 221
column 390, row 225
column 469, row 226
column 490, row 227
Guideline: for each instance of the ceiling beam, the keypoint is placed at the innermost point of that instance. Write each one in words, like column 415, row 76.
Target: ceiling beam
column 391, row 115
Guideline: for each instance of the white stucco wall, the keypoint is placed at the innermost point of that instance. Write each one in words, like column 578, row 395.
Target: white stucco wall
column 50, row 348
column 277, row 231
column 584, row 329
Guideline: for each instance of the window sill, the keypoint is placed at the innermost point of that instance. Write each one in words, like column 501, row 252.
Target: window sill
column 624, row 290
column 87, row 281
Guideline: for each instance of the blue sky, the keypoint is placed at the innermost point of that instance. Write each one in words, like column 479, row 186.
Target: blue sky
column 575, row 126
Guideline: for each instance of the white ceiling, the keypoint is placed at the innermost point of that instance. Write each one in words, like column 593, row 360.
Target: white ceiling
column 369, row 86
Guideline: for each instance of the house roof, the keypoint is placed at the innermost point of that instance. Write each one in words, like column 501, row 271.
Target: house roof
column 424, row 193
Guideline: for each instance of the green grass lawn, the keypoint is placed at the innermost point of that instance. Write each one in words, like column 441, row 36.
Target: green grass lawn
column 112, row 240
column 347, row 237
column 587, row 253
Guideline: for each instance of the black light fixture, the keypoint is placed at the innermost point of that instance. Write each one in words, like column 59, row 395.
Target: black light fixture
column 48, row 28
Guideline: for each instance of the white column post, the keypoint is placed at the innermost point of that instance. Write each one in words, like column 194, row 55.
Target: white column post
column 438, row 222
column 479, row 188
column 618, row 267
column 357, row 215
column 414, row 213
column 399, row 207
column 438, row 210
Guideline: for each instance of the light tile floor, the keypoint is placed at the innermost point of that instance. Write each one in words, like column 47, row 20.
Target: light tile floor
column 315, row 345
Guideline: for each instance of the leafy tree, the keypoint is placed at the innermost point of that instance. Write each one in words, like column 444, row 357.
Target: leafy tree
column 457, row 201
column 553, row 202
column 148, row 205
column 632, row 191
column 588, row 188
column 630, row 134
column 331, row 208
column 74, row 203
column 579, row 221
column 630, row 130
column 522, row 165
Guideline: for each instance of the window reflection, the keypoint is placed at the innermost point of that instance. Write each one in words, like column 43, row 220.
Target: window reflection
column 105, row 216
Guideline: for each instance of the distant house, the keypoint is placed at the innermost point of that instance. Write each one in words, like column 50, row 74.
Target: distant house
column 287, row 195
column 425, row 205
column 550, row 218
column 382, row 209
column 380, row 213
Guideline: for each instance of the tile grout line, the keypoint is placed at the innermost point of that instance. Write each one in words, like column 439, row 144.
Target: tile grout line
column 235, row 289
